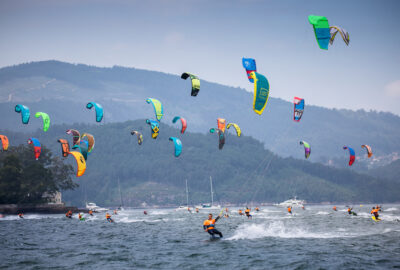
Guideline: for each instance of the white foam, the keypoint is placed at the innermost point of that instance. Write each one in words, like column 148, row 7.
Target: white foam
column 322, row 213
column 275, row 229
column 390, row 209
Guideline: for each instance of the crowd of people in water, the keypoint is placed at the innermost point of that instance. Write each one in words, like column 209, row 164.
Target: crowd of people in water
column 209, row 224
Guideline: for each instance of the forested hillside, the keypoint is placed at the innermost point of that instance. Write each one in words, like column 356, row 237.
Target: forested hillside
column 62, row 90
column 242, row 172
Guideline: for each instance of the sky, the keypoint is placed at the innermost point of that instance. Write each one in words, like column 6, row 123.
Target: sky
column 209, row 39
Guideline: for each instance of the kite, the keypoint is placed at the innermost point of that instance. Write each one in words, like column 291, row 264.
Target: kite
column 237, row 128
column 80, row 162
column 139, row 136
column 368, row 148
column 178, row 145
column 158, row 107
column 90, row 140
column 221, row 124
column 261, row 92
column 83, row 148
column 250, row 65
column 352, row 154
column 36, row 147
column 155, row 127
column 298, row 108
column 76, row 136
column 321, row 30
column 336, row 29
column 195, row 82
column 183, row 121
column 64, row 147
column 25, row 114
column 4, row 142
column 46, row 120
column 221, row 137
column 98, row 108
column 307, row 148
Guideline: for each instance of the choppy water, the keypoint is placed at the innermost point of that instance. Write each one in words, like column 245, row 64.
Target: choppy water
column 316, row 238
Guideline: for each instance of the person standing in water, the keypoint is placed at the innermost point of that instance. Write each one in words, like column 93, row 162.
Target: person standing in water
column 209, row 226
column 289, row 209
column 247, row 211
column 375, row 212
column 21, row 215
column 69, row 214
column 91, row 212
column 334, row 208
column 240, row 212
column 108, row 217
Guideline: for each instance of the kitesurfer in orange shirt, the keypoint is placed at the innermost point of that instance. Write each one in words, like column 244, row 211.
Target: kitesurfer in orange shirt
column 209, row 226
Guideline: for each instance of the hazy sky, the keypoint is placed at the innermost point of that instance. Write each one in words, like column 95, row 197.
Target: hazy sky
column 209, row 38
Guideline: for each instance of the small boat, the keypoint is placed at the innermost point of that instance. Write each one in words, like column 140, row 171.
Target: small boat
column 211, row 205
column 292, row 202
column 185, row 207
column 92, row 206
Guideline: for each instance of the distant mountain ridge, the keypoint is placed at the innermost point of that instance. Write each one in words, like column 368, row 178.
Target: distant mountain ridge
column 63, row 89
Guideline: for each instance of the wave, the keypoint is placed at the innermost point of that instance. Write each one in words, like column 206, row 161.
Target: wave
column 390, row 209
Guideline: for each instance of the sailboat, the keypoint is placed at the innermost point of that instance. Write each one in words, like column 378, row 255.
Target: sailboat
column 210, row 205
column 182, row 207
column 121, row 204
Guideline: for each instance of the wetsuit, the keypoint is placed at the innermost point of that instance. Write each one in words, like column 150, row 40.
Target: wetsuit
column 209, row 226
column 108, row 217
column 375, row 213
column 248, row 213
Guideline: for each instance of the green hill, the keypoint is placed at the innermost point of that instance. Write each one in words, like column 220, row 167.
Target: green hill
column 63, row 89
column 243, row 171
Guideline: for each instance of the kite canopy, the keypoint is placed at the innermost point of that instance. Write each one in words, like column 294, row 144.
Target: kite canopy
column 250, row 65
column 221, row 137
column 80, row 162
column 139, row 136
column 307, row 148
column 25, row 114
column 261, row 92
column 90, row 140
column 4, row 142
column 321, row 30
column 76, row 136
column 158, row 107
column 183, row 121
column 336, row 29
column 37, row 148
column 195, row 82
column 368, row 148
column 83, row 148
column 221, row 124
column 352, row 155
column 237, row 128
column 46, row 120
column 98, row 108
column 298, row 109
column 64, row 147
column 178, row 145
column 155, row 127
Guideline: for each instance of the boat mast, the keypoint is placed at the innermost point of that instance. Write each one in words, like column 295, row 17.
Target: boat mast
column 187, row 195
column 212, row 193
column 120, row 194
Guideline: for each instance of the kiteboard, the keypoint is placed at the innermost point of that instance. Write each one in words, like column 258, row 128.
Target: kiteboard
column 376, row 219
column 214, row 238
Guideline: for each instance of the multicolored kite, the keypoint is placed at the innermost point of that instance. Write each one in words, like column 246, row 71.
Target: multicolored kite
column 37, row 148
column 25, row 114
column 250, row 65
column 155, row 127
column 237, row 128
column 352, row 155
column 368, row 148
column 158, row 107
column 195, row 82
column 178, row 145
column 221, row 124
column 64, row 147
column 139, row 136
column 80, row 162
column 98, row 108
column 321, row 30
column 298, row 108
column 46, row 120
column 4, row 142
column 307, row 148
column 221, row 136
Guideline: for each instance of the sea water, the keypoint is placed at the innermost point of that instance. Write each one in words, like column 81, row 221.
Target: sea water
column 315, row 238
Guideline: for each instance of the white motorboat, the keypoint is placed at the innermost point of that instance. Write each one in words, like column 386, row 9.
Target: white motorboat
column 92, row 206
column 292, row 202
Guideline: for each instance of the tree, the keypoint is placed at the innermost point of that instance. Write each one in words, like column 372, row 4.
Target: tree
column 24, row 179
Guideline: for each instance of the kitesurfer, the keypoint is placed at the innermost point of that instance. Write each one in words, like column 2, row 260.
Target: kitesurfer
column 240, row 212
column 247, row 211
column 375, row 212
column 115, row 212
column 69, row 214
column 334, row 208
column 108, row 217
column 351, row 212
column 209, row 226
column 190, row 211
column 197, row 210
column 145, row 212
column 91, row 212
column 302, row 207
column 80, row 216
column 257, row 209
column 21, row 215
column 289, row 209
